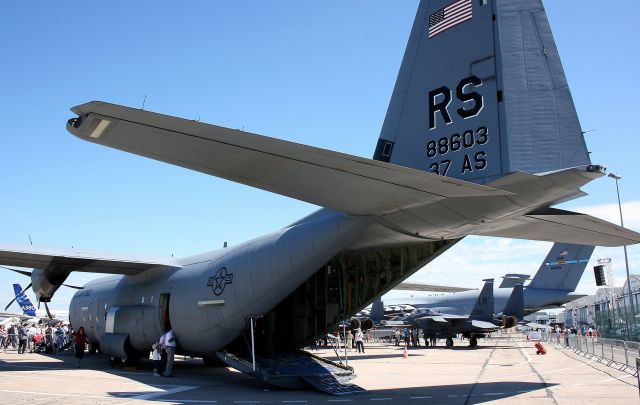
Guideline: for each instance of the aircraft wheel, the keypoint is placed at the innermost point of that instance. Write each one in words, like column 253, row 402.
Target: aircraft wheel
column 473, row 342
column 115, row 361
column 449, row 343
column 426, row 343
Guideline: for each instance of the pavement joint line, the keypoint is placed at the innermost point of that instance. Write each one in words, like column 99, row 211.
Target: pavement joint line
column 55, row 394
column 526, row 355
column 175, row 390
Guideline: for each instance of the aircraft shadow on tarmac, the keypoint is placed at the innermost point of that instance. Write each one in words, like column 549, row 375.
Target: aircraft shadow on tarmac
column 237, row 385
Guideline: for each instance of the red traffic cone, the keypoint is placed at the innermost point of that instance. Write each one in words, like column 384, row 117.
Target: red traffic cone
column 406, row 354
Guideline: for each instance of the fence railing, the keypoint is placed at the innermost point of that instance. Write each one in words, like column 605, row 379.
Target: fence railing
column 621, row 352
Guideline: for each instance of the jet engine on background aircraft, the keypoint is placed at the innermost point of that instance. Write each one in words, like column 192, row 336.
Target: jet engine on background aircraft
column 364, row 324
column 507, row 322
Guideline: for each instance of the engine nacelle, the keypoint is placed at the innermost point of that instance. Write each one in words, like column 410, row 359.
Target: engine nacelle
column 46, row 282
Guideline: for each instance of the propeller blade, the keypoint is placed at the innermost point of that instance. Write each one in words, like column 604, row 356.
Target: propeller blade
column 23, row 272
column 46, row 306
column 14, row 298
column 73, row 286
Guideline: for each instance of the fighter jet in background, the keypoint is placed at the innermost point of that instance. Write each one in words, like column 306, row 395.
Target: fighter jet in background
column 459, row 153
column 480, row 321
column 552, row 286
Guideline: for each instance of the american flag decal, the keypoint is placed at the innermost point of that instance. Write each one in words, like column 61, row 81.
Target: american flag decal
column 450, row 16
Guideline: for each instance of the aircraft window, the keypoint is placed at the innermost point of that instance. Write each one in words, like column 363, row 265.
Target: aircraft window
column 151, row 299
column 142, row 301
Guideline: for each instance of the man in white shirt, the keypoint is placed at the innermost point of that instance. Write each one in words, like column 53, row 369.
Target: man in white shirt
column 170, row 348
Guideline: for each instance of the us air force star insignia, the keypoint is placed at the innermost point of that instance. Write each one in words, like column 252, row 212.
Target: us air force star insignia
column 220, row 280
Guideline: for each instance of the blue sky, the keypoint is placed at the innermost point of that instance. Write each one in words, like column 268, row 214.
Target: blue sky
column 318, row 73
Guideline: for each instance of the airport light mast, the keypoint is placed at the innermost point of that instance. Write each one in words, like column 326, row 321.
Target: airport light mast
column 626, row 259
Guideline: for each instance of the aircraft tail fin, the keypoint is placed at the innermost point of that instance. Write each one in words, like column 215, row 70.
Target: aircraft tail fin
column 563, row 267
column 24, row 301
column 377, row 311
column 515, row 303
column 483, row 308
column 481, row 93
column 510, row 280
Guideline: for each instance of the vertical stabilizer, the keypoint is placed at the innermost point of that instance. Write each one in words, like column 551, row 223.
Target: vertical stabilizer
column 515, row 304
column 483, row 309
column 563, row 267
column 24, row 301
column 481, row 93
column 377, row 311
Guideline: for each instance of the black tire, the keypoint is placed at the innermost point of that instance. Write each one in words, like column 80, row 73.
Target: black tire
column 449, row 343
column 473, row 341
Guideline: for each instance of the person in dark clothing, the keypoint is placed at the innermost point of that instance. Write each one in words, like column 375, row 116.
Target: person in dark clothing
column 80, row 339
column 22, row 339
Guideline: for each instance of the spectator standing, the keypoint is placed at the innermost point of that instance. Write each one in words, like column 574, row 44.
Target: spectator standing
column 359, row 338
column 80, row 339
column 170, row 348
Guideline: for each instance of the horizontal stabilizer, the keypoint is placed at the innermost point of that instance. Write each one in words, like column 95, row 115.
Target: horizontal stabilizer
column 430, row 287
column 326, row 178
column 556, row 225
column 483, row 324
column 68, row 260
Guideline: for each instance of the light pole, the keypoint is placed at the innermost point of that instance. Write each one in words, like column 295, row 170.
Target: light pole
column 626, row 259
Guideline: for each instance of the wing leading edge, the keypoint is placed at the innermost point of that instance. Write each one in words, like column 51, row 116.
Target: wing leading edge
column 326, row 178
column 68, row 260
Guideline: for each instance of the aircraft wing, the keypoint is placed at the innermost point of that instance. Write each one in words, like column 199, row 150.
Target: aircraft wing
column 40, row 257
column 430, row 287
column 326, row 178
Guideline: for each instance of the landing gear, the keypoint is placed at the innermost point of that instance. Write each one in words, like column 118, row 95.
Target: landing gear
column 449, row 343
column 473, row 341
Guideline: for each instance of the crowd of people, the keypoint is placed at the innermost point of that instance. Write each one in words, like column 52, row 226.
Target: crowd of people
column 59, row 337
column 35, row 338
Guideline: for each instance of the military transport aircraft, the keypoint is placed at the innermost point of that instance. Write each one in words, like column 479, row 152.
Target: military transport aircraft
column 552, row 286
column 481, row 137
column 480, row 320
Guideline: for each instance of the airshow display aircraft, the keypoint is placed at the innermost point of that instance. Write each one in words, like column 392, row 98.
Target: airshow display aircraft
column 481, row 137
column 552, row 286
column 480, row 320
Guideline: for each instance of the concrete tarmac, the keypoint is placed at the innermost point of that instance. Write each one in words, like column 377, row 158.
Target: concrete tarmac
column 501, row 370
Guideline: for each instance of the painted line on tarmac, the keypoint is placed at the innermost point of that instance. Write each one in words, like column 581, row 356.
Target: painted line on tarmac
column 427, row 397
column 59, row 395
column 157, row 394
column 338, row 400
column 295, row 401
column 379, row 399
column 524, row 353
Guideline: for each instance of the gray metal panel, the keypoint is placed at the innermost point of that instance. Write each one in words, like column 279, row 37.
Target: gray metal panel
column 444, row 60
column 569, row 228
column 64, row 259
column 331, row 179
column 540, row 128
